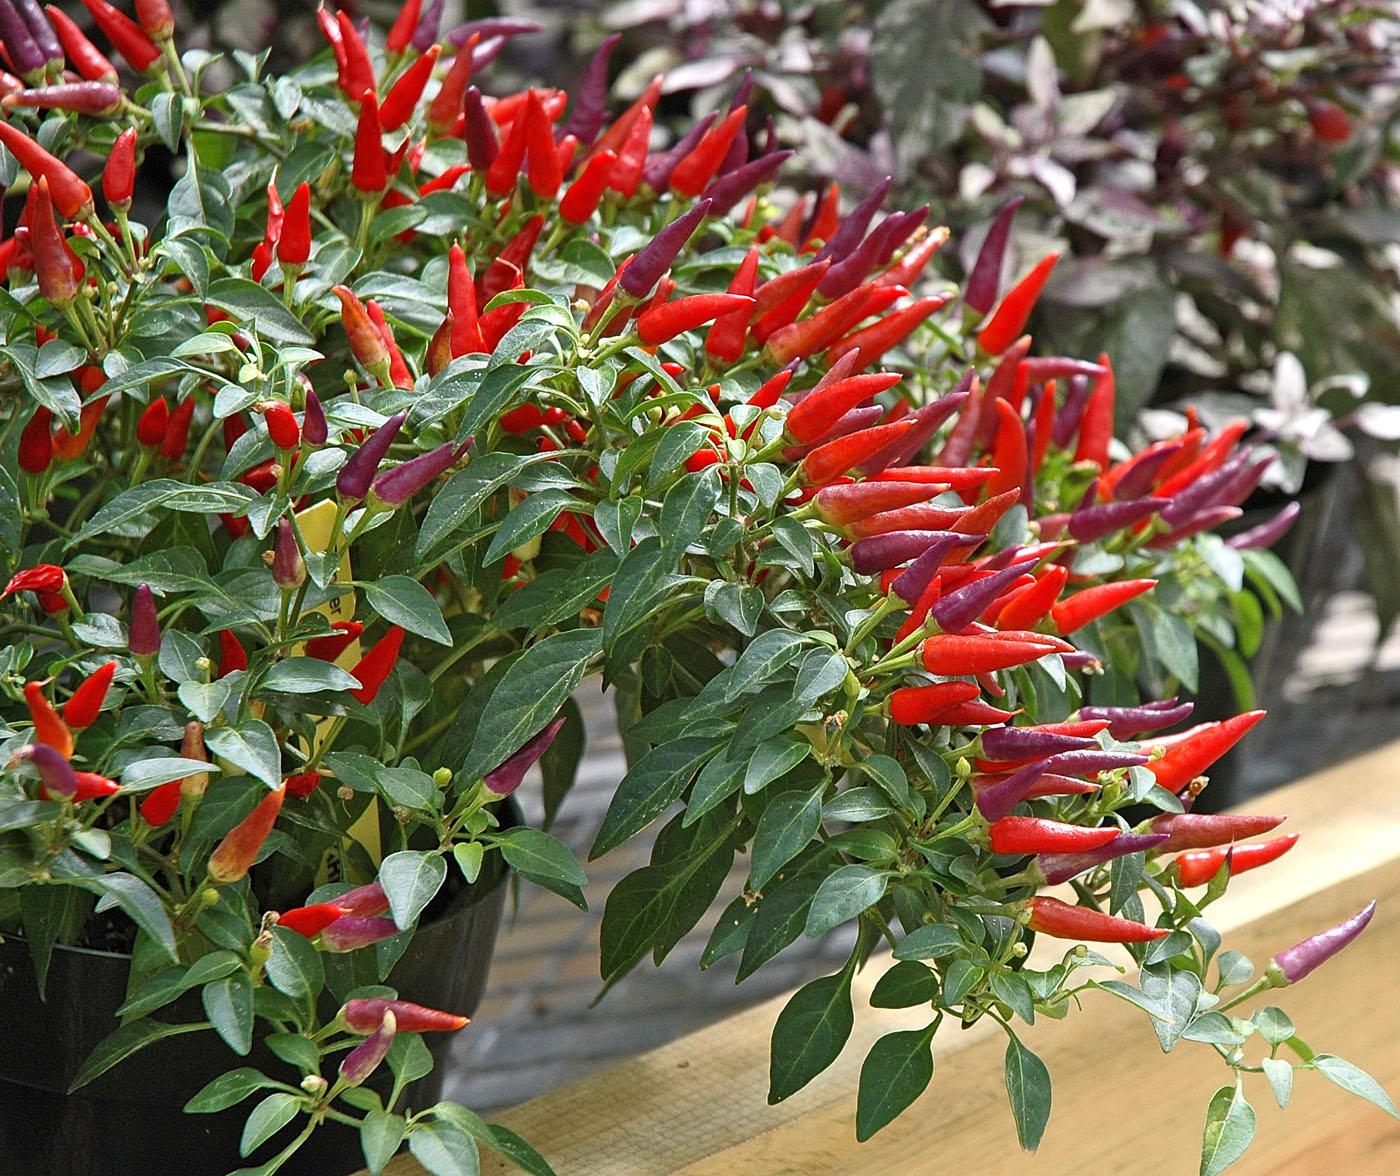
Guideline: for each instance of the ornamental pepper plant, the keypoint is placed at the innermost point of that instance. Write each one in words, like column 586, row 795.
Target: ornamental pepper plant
column 326, row 486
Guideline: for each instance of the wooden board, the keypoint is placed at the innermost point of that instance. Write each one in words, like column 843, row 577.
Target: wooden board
column 697, row 1106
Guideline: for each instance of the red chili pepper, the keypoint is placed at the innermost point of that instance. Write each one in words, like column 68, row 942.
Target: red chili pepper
column 367, row 169
column 1050, row 916
column 85, row 57
column 825, row 219
column 1009, row 318
column 1329, row 122
column 376, row 665
column 725, row 341
column 92, row 786
column 1031, row 605
column 507, row 270
column 156, row 19
column 160, row 804
column 234, row 855
column 504, row 171
column 48, row 727
column 1074, row 612
column 585, row 193
column 59, row 273
column 814, row 415
column 282, row 426
column 399, row 375
column 402, row 99
column 1207, row 830
column 358, row 77
column 910, row 705
column 800, row 339
column 448, row 102
column 870, row 343
column 1038, row 835
column 840, row 505
column 779, row 301
column 232, row 655
column 366, row 343
column 35, row 443
column 125, row 34
column 663, row 323
column 1199, row 866
column 698, row 168
column 177, row 433
column 152, row 423
column 119, row 172
column 954, row 654
column 330, row 647
column 364, row 1016
column 85, row 703
column 41, row 578
column 1212, row 457
column 68, row 445
column 845, row 453
column 303, row 784
column 310, row 921
column 465, row 336
column 1186, row 760
column 401, row 32
column 911, row 266
column 1009, row 456
column 1096, row 427
column 612, row 138
column 544, row 169
column 294, row 240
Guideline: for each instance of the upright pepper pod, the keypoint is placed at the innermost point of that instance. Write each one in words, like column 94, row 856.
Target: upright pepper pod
column 143, row 636
column 85, row 57
column 447, row 104
column 233, row 857
column 1009, row 319
column 400, row 35
column 984, row 280
column 402, row 99
column 85, row 703
column 36, row 442
column 119, row 172
column 125, row 34
column 367, row 171
column 49, row 729
column 357, row 78
column 294, row 239
column 58, row 271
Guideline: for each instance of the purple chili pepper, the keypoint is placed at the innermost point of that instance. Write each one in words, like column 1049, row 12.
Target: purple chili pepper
column 353, row 481
column 984, row 281
column 729, row 189
column 1060, row 367
column 506, row 778
column 1206, row 520
column 738, row 151
column 1061, row 867
column 28, row 59
column 591, row 96
column 1142, row 475
column 486, row 52
column 957, row 610
column 853, row 225
column 877, row 553
column 354, row 931
column 314, row 429
column 1267, row 533
column 995, row 800
column 1246, row 481
column 59, row 780
column 493, row 26
column 1081, row 659
column 910, row 584
column 897, row 229
column 1124, row 722
column 37, row 21
column 364, row 1059
column 1291, row 965
column 656, row 172
column 479, row 131
column 770, row 135
column 288, row 568
column 396, row 486
column 655, row 257
column 1019, row 743
column 930, row 418
column 429, row 25
column 143, row 630
column 1071, row 412
column 368, row 899
column 1078, row 763
column 1089, row 523
column 848, row 273
column 1201, row 493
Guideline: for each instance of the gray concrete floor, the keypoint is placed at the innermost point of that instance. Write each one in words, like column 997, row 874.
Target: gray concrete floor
column 1330, row 691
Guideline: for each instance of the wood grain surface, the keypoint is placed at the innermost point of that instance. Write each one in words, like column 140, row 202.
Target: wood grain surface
column 697, row 1106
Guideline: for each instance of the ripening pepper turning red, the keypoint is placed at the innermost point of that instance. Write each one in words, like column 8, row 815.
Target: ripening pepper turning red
column 1074, row 612
column 1050, row 916
column 364, row 1059
column 1186, row 760
column 376, row 665
column 1015, row 835
column 85, row 703
column 235, row 854
column 1009, row 318
column 1199, row 866
column 310, row 921
column 364, row 1015
column 49, row 729
column 59, row 273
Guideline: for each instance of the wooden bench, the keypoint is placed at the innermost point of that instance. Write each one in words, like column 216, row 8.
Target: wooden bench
column 697, row 1106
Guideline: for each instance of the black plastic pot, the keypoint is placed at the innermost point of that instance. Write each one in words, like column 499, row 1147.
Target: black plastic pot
column 129, row 1121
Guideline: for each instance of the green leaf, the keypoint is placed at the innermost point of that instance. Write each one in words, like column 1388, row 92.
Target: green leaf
column 444, row 1150
column 294, row 967
column 456, row 504
column 843, row 895
column 1274, row 1025
column 251, row 746
column 517, row 1151
column 1175, row 991
column 468, row 856
column 1229, row 1130
column 772, row 760
column 248, row 302
column 411, row 880
column 686, row 509
column 905, row 985
column 638, row 589
column 762, row 658
column 167, row 494
column 402, row 601
column 655, row 782
column 1028, row 1086
column 228, row 1090
column 380, row 1135
column 1354, row 1080
column 527, row 521
column 543, row 859
column 267, row 1119
column 809, row 1034
column 305, row 675
column 124, row 1042
column 139, row 902
column 779, row 920
column 528, row 696
column 228, row 1003
column 1280, row 1076
column 895, row 1072
column 786, row 828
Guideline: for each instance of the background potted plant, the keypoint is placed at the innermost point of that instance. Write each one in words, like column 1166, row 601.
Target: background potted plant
column 416, row 408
